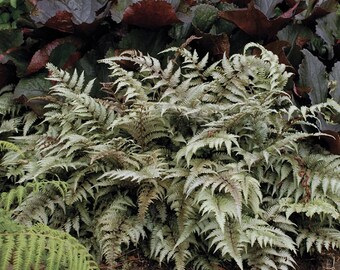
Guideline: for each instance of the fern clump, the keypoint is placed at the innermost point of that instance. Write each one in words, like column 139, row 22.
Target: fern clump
column 199, row 164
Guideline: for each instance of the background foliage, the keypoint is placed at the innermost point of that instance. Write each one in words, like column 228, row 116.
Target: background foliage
column 73, row 35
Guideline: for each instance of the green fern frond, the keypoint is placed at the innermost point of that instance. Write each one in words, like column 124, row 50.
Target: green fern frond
column 8, row 146
column 40, row 246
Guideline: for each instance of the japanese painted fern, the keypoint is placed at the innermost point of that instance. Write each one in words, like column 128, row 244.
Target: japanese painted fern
column 200, row 165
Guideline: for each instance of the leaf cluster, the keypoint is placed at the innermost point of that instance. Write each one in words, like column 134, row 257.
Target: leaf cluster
column 74, row 35
column 198, row 164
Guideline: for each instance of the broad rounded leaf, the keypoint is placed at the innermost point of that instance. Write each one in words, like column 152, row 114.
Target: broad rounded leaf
column 118, row 8
column 204, row 17
column 41, row 57
column 144, row 40
column 10, row 39
column 34, row 86
column 81, row 11
column 217, row 45
column 252, row 21
column 313, row 75
column 277, row 47
column 333, row 143
column 296, row 34
column 62, row 21
column 150, row 14
column 19, row 57
column 321, row 9
column 328, row 28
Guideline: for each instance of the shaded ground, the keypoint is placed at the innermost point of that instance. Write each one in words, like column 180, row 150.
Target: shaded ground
column 325, row 261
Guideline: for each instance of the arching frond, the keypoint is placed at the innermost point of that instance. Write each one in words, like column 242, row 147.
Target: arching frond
column 40, row 246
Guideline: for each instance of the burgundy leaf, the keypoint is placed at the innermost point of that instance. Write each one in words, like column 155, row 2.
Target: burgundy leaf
column 255, row 23
column 150, row 14
column 72, row 60
column 41, row 57
column 217, row 45
column 277, row 47
column 62, row 21
column 333, row 143
column 300, row 91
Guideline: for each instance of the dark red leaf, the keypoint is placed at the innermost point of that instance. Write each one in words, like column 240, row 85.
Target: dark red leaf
column 72, row 60
column 217, row 45
column 41, row 57
column 278, row 47
column 150, row 14
column 62, row 21
column 301, row 90
column 33, row 2
column 255, row 23
column 37, row 104
column 333, row 143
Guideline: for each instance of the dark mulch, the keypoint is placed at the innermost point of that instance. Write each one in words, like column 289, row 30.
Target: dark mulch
column 329, row 260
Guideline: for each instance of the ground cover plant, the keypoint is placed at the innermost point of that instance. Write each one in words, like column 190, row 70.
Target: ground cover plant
column 163, row 165
column 220, row 161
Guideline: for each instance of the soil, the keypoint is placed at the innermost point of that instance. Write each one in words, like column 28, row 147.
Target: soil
column 329, row 260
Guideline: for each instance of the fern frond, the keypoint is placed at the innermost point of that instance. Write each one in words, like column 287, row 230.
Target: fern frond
column 8, row 146
column 66, row 81
column 319, row 238
column 32, row 248
column 114, row 228
column 162, row 244
column 226, row 240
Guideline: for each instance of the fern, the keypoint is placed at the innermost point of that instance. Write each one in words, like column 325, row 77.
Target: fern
column 114, row 229
column 202, row 165
column 40, row 246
